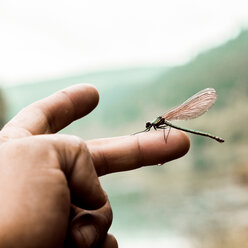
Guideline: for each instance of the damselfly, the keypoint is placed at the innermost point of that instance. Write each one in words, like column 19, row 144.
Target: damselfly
column 195, row 106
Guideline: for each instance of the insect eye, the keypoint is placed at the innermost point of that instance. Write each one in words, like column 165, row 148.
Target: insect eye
column 148, row 124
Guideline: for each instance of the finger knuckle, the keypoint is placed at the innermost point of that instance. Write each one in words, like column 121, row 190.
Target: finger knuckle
column 79, row 143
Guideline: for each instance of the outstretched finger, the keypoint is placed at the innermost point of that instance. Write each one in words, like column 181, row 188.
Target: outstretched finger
column 53, row 113
column 133, row 151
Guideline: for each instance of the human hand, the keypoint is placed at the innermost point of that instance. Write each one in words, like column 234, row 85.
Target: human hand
column 42, row 173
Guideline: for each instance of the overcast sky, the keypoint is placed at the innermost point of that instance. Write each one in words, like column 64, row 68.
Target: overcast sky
column 53, row 38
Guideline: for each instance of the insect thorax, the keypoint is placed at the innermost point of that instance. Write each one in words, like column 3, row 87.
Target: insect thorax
column 155, row 123
column 157, row 120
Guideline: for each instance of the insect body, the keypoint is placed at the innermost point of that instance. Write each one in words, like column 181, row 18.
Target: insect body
column 195, row 106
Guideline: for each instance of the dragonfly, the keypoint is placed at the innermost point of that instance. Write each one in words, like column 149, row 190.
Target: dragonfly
column 192, row 108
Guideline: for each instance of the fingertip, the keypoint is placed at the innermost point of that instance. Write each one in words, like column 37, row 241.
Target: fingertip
column 159, row 147
column 183, row 142
column 85, row 98
column 177, row 145
column 93, row 93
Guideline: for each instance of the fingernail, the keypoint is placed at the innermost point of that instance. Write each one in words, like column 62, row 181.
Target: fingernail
column 89, row 234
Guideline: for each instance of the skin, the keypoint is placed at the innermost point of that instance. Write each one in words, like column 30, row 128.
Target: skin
column 49, row 188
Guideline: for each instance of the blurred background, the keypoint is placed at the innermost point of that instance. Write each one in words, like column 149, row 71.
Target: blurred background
column 145, row 57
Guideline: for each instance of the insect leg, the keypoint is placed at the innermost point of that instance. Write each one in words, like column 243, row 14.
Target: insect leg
column 164, row 127
column 167, row 135
column 146, row 130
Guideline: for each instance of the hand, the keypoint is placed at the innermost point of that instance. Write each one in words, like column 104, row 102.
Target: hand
column 42, row 174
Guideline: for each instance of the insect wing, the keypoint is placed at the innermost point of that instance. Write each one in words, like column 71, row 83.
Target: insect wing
column 195, row 106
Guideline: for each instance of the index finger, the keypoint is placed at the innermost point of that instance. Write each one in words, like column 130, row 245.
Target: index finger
column 133, row 151
column 53, row 113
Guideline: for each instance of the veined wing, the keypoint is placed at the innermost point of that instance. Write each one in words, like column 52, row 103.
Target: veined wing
column 195, row 106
